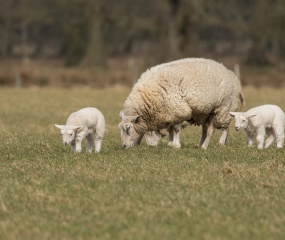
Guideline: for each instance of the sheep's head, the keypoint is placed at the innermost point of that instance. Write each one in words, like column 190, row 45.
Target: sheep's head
column 68, row 133
column 241, row 119
column 129, row 135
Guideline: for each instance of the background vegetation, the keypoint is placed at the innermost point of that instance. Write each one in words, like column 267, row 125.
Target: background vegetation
column 111, row 42
column 47, row 192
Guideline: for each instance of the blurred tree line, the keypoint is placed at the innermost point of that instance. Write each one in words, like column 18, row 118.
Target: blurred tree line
column 87, row 32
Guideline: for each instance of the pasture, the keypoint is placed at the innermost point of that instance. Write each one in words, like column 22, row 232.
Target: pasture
column 46, row 192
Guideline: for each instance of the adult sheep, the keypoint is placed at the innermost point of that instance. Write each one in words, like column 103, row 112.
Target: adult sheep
column 152, row 138
column 197, row 90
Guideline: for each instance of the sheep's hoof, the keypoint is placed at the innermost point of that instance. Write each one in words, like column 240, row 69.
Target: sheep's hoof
column 170, row 144
column 176, row 146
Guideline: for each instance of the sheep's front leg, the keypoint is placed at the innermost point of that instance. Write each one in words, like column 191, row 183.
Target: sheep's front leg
column 90, row 143
column 171, row 135
column 224, row 136
column 176, row 135
column 260, row 138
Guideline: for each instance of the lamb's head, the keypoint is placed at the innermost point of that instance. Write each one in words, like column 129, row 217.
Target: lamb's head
column 68, row 133
column 129, row 134
column 241, row 119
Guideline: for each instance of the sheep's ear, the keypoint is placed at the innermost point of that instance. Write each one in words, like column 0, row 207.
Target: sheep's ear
column 60, row 126
column 135, row 119
column 251, row 115
column 121, row 114
column 233, row 114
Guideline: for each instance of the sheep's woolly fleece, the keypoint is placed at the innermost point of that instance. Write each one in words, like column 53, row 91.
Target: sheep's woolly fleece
column 186, row 89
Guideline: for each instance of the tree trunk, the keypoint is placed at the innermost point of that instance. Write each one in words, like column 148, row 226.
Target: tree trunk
column 95, row 54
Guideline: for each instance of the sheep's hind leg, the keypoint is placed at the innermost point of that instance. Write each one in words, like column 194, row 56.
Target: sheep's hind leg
column 204, row 134
column 90, row 143
column 207, row 130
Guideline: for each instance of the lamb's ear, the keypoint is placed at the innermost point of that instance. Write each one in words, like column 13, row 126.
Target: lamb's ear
column 60, row 126
column 135, row 119
column 251, row 115
column 121, row 114
column 233, row 114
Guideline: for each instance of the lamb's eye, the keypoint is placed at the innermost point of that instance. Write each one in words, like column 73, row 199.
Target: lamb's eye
column 70, row 135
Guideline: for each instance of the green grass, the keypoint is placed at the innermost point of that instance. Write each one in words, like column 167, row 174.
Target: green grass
column 46, row 192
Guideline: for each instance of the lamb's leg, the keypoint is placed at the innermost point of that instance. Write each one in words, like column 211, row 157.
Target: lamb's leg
column 280, row 140
column 90, row 143
column 98, row 143
column 78, row 140
column 176, row 135
column 279, row 133
column 98, row 139
column 152, row 138
column 250, row 139
column 270, row 139
column 260, row 138
column 73, row 146
column 224, row 136
column 210, row 131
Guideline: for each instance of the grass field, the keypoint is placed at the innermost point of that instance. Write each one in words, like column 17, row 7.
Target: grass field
column 46, row 192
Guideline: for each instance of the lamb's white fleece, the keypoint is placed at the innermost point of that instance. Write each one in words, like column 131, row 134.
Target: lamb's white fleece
column 261, row 121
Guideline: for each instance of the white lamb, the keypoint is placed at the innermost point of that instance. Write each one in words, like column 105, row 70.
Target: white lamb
column 261, row 121
column 86, row 123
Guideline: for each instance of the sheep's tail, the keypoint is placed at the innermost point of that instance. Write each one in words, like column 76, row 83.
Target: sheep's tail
column 242, row 101
column 241, row 96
